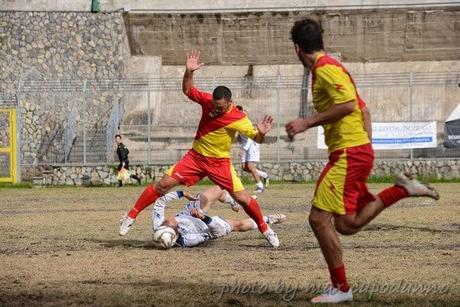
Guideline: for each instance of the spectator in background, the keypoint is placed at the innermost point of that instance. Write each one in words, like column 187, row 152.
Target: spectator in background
column 122, row 153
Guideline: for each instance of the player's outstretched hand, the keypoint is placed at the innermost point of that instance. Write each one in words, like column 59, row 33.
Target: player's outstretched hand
column 296, row 126
column 197, row 213
column 193, row 58
column 265, row 125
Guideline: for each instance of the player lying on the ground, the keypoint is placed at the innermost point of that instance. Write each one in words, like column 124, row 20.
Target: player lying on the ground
column 192, row 226
column 201, row 200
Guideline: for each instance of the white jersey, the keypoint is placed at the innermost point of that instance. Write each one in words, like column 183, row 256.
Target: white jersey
column 192, row 230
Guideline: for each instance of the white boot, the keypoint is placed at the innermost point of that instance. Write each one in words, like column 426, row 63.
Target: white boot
column 333, row 295
column 414, row 187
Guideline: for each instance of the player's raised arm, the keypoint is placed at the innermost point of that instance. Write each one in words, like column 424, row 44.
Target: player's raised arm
column 191, row 65
column 263, row 127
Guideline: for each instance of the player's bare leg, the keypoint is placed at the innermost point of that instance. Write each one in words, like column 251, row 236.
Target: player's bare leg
column 249, row 224
column 209, row 196
column 405, row 186
column 251, row 168
column 252, row 208
column 148, row 197
column 257, row 177
column 321, row 224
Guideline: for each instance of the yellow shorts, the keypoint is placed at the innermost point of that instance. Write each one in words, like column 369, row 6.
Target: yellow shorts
column 341, row 188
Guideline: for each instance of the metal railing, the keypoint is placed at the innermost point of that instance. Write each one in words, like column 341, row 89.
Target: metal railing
column 158, row 122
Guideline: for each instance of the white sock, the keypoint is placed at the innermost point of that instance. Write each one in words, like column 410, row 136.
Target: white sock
column 262, row 174
column 228, row 199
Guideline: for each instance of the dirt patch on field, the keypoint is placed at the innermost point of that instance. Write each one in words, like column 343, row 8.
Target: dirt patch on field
column 60, row 246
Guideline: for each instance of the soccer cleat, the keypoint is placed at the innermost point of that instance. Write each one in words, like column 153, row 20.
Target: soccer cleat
column 259, row 190
column 271, row 237
column 235, row 206
column 125, row 224
column 414, row 187
column 333, row 295
column 276, row 218
column 266, row 181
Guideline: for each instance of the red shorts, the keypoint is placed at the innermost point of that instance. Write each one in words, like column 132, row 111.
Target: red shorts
column 342, row 188
column 193, row 167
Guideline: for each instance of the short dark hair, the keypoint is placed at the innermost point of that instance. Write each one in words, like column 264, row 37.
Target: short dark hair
column 239, row 107
column 117, row 135
column 308, row 34
column 221, row 92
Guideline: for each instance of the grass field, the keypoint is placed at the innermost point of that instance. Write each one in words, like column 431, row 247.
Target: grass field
column 60, row 246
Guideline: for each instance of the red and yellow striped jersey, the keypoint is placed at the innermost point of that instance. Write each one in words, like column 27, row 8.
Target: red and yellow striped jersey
column 215, row 134
column 332, row 84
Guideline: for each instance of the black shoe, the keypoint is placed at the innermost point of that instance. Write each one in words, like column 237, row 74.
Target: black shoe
column 137, row 178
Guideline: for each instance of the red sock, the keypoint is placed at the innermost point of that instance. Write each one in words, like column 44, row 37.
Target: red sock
column 253, row 210
column 148, row 196
column 393, row 194
column 339, row 279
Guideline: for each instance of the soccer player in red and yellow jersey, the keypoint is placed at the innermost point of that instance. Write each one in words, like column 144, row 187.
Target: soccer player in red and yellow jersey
column 342, row 202
column 210, row 153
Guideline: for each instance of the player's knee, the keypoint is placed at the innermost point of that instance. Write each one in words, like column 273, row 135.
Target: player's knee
column 161, row 187
column 236, row 226
column 346, row 230
column 315, row 221
column 242, row 199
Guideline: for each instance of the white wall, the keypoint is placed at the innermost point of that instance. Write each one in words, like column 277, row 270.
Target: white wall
column 209, row 5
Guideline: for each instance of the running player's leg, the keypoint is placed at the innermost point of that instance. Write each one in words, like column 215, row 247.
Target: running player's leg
column 251, row 166
column 253, row 156
column 327, row 202
column 361, row 206
column 331, row 248
column 148, row 196
column 186, row 171
column 152, row 193
column 405, row 186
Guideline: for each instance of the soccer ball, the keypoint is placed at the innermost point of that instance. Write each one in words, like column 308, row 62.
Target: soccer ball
column 165, row 236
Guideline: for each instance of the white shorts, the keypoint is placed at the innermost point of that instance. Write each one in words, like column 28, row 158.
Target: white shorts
column 252, row 154
column 219, row 227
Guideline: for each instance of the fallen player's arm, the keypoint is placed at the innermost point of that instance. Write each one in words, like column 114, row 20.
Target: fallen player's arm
column 158, row 214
